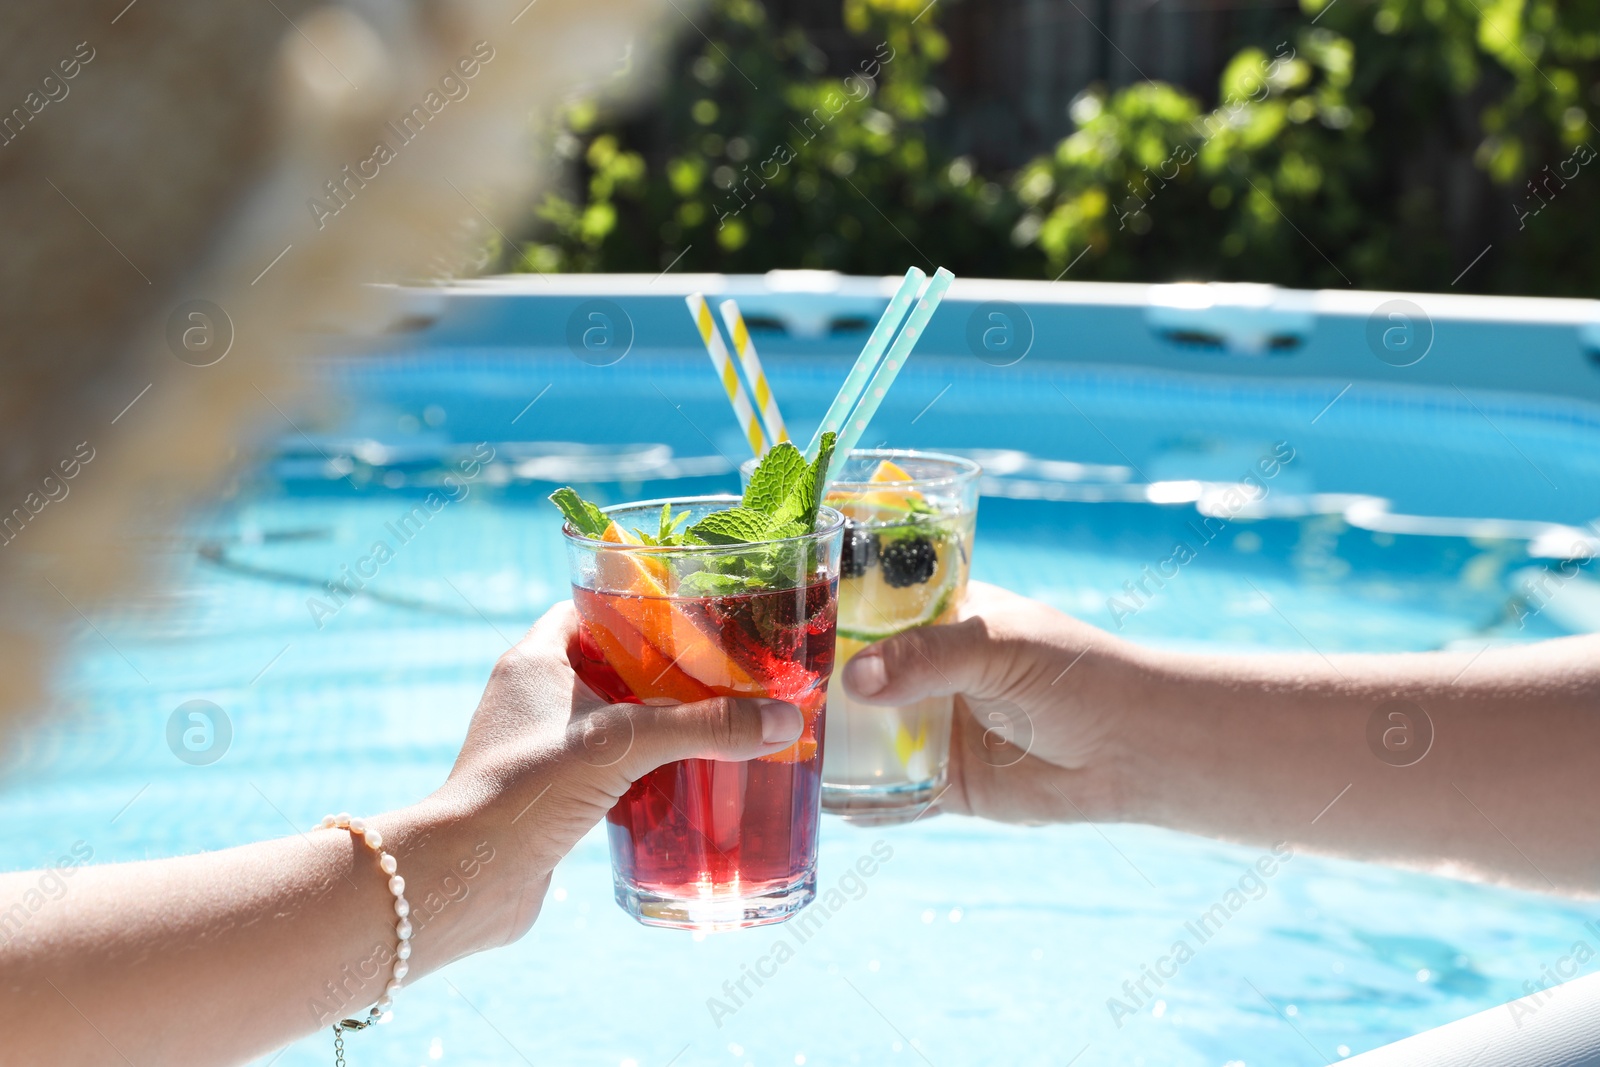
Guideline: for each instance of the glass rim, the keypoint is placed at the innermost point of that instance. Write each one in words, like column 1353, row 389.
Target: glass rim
column 835, row 524
column 964, row 469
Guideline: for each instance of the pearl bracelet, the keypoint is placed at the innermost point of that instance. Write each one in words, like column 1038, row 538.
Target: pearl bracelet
column 379, row 1012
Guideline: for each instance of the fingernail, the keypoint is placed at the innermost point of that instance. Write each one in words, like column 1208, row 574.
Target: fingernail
column 780, row 721
column 865, row 674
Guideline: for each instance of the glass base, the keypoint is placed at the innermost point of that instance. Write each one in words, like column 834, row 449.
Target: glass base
column 725, row 909
column 880, row 805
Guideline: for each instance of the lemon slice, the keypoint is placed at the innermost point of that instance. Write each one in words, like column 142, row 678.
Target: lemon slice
column 911, row 749
column 871, row 609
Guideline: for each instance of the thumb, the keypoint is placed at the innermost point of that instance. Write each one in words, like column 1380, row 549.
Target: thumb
column 930, row 661
column 638, row 738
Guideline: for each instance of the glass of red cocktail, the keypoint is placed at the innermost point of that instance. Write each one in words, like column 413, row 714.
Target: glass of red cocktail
column 699, row 843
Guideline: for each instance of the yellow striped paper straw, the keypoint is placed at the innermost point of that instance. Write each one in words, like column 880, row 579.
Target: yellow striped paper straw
column 745, row 349
column 748, row 423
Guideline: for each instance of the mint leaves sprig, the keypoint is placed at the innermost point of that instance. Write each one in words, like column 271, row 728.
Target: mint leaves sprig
column 782, row 501
column 667, row 530
column 585, row 517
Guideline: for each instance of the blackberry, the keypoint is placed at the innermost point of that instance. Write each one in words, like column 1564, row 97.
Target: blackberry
column 860, row 550
column 908, row 561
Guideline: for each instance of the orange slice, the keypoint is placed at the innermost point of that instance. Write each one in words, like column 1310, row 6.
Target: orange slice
column 863, row 506
column 672, row 633
column 686, row 645
column 649, row 674
column 889, row 471
column 630, row 572
column 641, row 666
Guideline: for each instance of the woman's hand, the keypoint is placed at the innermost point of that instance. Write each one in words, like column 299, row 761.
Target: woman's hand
column 1056, row 720
column 301, row 930
column 1035, row 733
column 545, row 759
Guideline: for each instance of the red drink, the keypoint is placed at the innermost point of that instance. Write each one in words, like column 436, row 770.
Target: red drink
column 694, row 825
column 703, row 843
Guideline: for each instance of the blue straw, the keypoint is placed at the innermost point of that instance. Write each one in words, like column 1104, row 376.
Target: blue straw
column 898, row 354
column 856, row 380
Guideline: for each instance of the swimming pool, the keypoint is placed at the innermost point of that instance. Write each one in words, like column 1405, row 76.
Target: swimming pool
column 1418, row 511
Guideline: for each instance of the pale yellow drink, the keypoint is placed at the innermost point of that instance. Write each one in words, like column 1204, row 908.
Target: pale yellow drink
column 907, row 554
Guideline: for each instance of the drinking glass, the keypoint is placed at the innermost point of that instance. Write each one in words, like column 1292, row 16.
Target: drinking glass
column 909, row 523
column 704, row 844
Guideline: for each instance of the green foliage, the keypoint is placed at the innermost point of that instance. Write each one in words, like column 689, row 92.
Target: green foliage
column 758, row 158
column 1379, row 143
column 774, row 480
column 1150, row 178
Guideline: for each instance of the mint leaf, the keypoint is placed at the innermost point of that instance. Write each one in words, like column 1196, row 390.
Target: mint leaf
column 784, row 530
column 733, row 526
column 670, row 524
column 711, row 583
column 811, row 487
column 788, row 511
column 784, row 490
column 585, row 517
column 667, row 534
column 781, row 503
column 781, row 469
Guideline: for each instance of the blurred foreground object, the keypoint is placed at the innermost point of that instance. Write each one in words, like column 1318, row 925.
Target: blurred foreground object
column 187, row 188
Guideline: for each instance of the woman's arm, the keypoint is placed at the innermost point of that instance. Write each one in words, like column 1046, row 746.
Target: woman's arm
column 1271, row 748
column 1284, row 748
column 213, row 958
column 218, row 958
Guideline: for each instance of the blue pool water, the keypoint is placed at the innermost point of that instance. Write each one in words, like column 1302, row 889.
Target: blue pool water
column 973, row 944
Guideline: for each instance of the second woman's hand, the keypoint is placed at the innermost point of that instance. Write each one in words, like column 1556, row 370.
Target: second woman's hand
column 1058, row 721
column 1038, row 699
